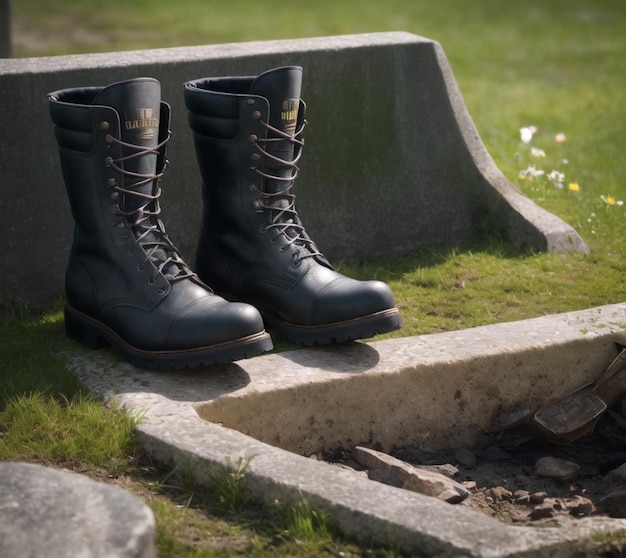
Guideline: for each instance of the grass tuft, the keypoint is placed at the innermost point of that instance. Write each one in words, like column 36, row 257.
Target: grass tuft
column 299, row 523
column 40, row 427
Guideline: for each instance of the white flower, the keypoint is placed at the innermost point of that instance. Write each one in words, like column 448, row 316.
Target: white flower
column 536, row 152
column 527, row 132
column 525, row 135
column 556, row 178
column 531, row 173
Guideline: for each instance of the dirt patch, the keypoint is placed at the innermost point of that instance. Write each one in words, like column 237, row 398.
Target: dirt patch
column 504, row 481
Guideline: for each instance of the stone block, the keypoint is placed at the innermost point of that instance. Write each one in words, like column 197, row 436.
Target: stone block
column 47, row 512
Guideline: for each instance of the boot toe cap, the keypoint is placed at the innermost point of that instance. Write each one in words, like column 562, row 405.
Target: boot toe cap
column 212, row 321
column 346, row 299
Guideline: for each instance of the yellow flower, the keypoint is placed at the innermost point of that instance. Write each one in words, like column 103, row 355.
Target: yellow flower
column 610, row 200
column 574, row 187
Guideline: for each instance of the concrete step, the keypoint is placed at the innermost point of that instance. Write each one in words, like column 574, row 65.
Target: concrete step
column 435, row 391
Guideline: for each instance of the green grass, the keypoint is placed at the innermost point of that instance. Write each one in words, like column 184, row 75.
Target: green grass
column 558, row 65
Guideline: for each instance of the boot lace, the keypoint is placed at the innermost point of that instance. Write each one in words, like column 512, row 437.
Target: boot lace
column 285, row 221
column 148, row 231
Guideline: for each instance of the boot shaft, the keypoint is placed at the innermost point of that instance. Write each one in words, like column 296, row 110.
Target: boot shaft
column 248, row 138
column 120, row 131
column 112, row 152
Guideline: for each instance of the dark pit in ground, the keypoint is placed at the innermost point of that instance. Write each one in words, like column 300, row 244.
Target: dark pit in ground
column 503, row 480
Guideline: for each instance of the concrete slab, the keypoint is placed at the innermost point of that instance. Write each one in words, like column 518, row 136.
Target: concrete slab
column 434, row 390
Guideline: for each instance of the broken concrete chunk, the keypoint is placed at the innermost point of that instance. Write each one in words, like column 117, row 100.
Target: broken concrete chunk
column 389, row 470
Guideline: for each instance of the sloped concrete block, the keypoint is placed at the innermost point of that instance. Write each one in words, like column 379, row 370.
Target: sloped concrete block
column 392, row 161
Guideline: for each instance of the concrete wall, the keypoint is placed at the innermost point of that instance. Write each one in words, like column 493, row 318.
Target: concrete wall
column 392, row 159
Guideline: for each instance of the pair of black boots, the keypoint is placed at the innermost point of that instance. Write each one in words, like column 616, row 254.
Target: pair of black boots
column 127, row 285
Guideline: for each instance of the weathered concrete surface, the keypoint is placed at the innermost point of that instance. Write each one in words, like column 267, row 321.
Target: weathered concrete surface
column 435, row 390
column 392, row 160
column 47, row 512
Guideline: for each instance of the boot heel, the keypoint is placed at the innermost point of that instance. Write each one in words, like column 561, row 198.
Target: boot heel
column 81, row 331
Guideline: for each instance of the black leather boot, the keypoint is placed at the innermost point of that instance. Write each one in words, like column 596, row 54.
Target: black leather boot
column 126, row 284
column 253, row 246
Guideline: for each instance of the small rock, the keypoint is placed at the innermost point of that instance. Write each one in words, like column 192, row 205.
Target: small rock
column 542, row 511
column 555, row 468
column 521, row 497
column 499, row 493
column 538, row 497
column 558, row 505
column 470, row 485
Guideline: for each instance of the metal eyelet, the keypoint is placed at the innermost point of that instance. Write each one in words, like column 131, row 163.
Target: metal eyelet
column 115, row 195
column 112, row 182
column 104, row 125
column 255, row 157
column 252, row 138
column 108, row 161
column 256, row 115
column 108, row 138
column 152, row 281
column 132, row 251
column 141, row 267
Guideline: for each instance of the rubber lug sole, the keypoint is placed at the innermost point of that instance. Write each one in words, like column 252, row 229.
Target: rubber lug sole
column 363, row 327
column 94, row 335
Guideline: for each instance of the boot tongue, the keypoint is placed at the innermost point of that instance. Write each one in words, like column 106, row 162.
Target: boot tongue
column 281, row 87
column 138, row 104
